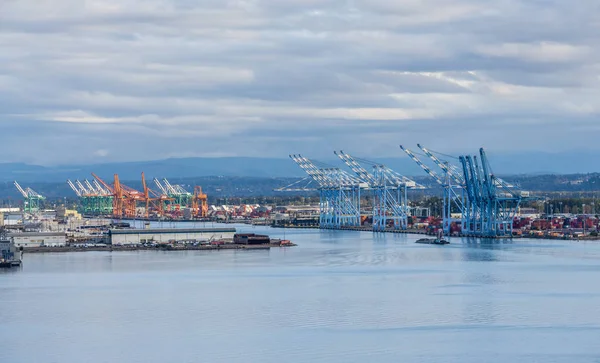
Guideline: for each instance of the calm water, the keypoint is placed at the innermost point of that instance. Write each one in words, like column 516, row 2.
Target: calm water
column 337, row 297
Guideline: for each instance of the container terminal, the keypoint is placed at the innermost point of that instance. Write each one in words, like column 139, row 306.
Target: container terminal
column 360, row 195
column 367, row 195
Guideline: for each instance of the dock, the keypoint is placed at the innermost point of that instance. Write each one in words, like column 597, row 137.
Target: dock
column 109, row 248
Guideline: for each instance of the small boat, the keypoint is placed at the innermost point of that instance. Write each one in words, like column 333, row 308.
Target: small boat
column 432, row 241
column 9, row 264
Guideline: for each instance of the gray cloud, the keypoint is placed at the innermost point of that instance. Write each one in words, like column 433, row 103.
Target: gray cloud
column 130, row 80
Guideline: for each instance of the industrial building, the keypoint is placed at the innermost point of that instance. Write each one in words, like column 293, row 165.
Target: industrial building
column 8, row 250
column 64, row 213
column 9, row 254
column 39, row 239
column 167, row 235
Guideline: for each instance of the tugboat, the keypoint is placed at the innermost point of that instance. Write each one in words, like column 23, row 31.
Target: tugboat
column 439, row 240
column 432, row 241
column 8, row 251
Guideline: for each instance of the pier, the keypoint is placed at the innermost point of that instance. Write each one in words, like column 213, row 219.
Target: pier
column 104, row 248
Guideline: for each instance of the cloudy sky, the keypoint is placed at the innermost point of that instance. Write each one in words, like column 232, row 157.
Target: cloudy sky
column 104, row 80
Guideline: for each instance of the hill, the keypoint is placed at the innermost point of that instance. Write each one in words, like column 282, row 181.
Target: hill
column 508, row 164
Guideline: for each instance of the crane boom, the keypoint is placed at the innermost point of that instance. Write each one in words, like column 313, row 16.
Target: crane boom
column 77, row 191
column 452, row 172
column 21, row 190
column 169, row 187
column 358, row 169
column 311, row 170
column 103, row 183
column 90, row 187
column 430, row 172
column 160, row 186
column 83, row 188
column 145, row 187
column 102, row 190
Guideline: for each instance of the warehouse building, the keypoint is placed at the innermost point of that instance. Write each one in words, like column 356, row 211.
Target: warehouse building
column 39, row 239
column 169, row 235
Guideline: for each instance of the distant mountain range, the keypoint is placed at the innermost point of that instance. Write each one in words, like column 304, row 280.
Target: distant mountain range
column 254, row 177
column 530, row 164
column 169, row 168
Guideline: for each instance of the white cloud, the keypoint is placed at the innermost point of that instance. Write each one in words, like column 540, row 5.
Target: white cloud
column 250, row 77
column 101, row 153
column 541, row 52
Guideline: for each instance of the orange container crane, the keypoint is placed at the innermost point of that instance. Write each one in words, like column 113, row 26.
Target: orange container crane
column 124, row 198
column 154, row 200
column 118, row 203
column 116, row 193
column 147, row 198
column 130, row 198
column 199, row 203
column 159, row 202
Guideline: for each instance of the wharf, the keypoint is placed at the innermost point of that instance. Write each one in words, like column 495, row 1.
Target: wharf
column 360, row 229
column 391, row 230
column 227, row 246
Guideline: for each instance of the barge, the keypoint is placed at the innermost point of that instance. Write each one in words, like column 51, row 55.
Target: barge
column 439, row 240
column 432, row 241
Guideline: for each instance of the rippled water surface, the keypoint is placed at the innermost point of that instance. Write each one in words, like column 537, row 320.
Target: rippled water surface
column 337, row 297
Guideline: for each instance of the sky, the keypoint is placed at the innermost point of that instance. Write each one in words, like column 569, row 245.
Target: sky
column 92, row 81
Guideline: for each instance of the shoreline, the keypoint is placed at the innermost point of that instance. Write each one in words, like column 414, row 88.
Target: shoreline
column 145, row 248
column 423, row 232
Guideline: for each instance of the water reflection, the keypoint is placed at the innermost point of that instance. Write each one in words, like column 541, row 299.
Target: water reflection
column 339, row 296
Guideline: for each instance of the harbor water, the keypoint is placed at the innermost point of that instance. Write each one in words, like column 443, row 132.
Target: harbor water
column 339, row 296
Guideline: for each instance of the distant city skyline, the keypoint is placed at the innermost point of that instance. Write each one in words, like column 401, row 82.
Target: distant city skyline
column 106, row 81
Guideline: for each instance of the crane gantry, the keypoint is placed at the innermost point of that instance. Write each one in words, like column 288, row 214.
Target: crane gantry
column 340, row 192
column 389, row 190
column 33, row 199
column 475, row 199
column 99, row 197
column 95, row 199
column 486, row 203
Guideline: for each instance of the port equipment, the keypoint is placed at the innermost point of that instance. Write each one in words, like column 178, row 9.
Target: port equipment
column 179, row 197
column 147, row 198
column 487, row 203
column 339, row 193
column 389, row 189
column 199, row 203
column 169, row 199
column 124, row 199
column 492, row 202
column 94, row 199
column 32, row 201
column 128, row 199
column 454, row 191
